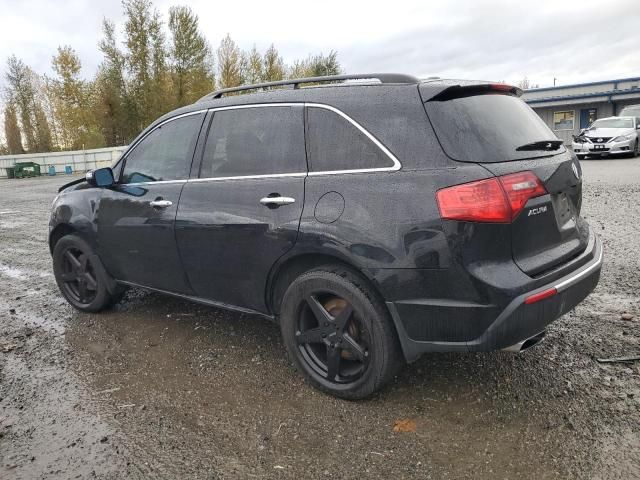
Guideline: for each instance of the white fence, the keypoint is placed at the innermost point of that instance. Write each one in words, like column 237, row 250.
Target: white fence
column 79, row 160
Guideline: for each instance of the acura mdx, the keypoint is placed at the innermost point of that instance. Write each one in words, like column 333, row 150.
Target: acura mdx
column 374, row 217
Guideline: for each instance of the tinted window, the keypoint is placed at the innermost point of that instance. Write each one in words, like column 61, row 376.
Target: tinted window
column 336, row 144
column 164, row 154
column 255, row 141
column 488, row 128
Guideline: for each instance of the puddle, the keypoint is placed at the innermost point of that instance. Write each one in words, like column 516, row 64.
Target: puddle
column 11, row 272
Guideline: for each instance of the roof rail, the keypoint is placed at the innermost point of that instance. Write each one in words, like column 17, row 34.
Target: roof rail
column 296, row 82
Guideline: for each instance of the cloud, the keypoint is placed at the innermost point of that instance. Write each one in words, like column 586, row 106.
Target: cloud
column 570, row 40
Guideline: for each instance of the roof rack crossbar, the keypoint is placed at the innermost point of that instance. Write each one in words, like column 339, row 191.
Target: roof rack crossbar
column 296, row 82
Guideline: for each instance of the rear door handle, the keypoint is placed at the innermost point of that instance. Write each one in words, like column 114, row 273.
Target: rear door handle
column 277, row 201
column 161, row 203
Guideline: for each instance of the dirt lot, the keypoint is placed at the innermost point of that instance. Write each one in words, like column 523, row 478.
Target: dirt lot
column 162, row 388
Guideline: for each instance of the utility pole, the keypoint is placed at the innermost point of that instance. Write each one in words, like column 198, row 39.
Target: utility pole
column 554, row 81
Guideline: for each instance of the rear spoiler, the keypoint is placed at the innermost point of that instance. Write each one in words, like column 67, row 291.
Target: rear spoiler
column 449, row 92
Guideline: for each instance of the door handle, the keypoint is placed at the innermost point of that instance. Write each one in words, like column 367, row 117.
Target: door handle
column 276, row 201
column 161, row 203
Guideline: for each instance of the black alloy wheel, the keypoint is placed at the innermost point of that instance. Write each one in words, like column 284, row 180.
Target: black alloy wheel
column 339, row 333
column 78, row 276
column 331, row 338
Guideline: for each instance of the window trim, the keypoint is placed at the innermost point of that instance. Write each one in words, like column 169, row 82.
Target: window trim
column 573, row 121
column 133, row 146
column 393, row 168
column 396, row 163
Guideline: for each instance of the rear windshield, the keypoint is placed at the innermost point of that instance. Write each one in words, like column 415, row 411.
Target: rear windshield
column 489, row 128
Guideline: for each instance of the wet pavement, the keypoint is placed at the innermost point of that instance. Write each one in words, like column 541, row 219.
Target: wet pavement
column 161, row 388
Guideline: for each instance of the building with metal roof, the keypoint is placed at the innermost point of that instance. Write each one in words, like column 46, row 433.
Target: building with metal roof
column 569, row 108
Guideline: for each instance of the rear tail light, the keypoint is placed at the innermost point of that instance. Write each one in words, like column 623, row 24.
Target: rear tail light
column 495, row 200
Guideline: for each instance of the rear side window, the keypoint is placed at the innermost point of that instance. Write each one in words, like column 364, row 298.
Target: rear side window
column 255, row 141
column 165, row 153
column 489, row 128
column 336, row 144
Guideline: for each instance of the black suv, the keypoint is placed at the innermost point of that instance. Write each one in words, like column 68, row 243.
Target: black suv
column 375, row 220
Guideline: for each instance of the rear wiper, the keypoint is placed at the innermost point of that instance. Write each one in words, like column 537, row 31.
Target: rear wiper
column 541, row 145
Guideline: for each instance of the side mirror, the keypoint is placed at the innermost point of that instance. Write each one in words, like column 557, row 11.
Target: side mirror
column 101, row 177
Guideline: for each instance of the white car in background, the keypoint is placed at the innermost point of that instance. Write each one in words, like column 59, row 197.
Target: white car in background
column 608, row 136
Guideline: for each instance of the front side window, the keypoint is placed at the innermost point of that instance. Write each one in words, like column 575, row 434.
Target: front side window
column 336, row 144
column 164, row 154
column 255, row 141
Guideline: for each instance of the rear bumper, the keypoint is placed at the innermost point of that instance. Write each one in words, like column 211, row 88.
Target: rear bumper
column 514, row 323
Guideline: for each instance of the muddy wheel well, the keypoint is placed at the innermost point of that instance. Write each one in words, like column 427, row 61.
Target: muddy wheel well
column 57, row 233
column 296, row 266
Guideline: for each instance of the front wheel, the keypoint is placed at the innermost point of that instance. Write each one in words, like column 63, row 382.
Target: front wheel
column 338, row 333
column 78, row 277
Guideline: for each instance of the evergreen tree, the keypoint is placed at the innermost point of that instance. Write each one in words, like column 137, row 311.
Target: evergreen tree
column 316, row 66
column 12, row 130
column 274, row 68
column 111, row 98
column 21, row 89
column 230, row 64
column 138, row 80
column 71, row 102
column 42, row 129
column 144, row 59
column 254, row 71
column 25, row 88
column 190, row 57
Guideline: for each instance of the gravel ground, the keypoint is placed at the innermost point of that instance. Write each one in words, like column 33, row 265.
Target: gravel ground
column 161, row 388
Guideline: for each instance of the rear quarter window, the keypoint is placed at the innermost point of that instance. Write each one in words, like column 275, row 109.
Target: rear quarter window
column 334, row 143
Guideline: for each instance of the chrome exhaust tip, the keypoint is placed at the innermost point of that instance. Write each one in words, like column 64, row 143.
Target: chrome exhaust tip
column 526, row 344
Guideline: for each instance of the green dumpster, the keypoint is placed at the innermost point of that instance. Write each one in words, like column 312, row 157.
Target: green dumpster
column 26, row 169
column 11, row 172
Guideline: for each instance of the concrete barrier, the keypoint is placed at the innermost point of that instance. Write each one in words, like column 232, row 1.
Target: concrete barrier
column 78, row 160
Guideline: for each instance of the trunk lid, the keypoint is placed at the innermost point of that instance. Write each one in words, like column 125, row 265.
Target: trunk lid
column 549, row 231
column 487, row 124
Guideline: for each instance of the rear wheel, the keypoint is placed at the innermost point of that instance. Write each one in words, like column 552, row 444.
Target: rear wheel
column 77, row 275
column 338, row 333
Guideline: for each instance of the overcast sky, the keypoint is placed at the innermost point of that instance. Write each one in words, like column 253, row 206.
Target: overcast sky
column 573, row 41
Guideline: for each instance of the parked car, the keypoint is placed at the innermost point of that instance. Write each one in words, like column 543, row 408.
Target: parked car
column 609, row 136
column 374, row 220
column 630, row 111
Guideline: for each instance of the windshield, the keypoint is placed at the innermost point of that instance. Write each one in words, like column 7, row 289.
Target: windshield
column 613, row 123
column 490, row 128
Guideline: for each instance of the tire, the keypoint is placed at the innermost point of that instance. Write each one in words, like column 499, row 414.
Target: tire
column 78, row 277
column 581, row 157
column 636, row 151
column 338, row 333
